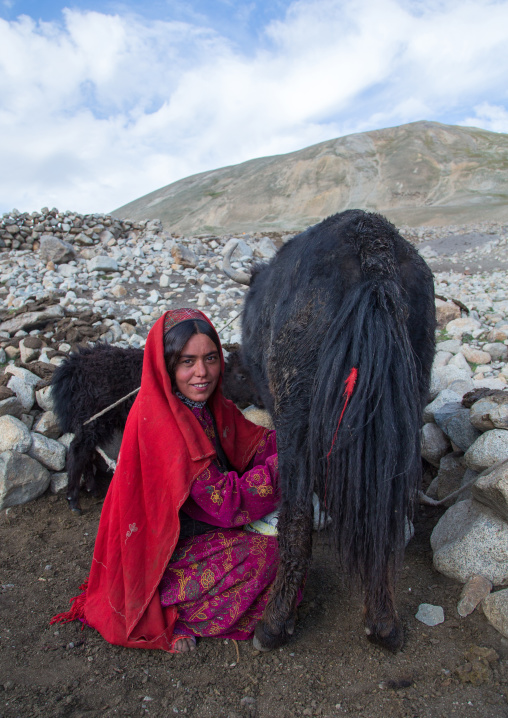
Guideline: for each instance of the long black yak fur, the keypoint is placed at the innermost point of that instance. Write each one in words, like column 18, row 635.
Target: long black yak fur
column 348, row 293
column 93, row 378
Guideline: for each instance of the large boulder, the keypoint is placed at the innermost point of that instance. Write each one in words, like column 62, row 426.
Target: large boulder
column 56, row 250
column 32, row 320
column 48, row 452
column 487, row 450
column 471, row 539
column 14, row 435
column 453, row 419
column 491, row 489
column 22, row 479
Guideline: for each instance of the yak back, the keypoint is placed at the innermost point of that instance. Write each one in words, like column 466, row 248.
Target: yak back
column 91, row 379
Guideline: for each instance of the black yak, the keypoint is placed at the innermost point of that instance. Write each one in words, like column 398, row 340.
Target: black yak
column 92, row 379
column 338, row 336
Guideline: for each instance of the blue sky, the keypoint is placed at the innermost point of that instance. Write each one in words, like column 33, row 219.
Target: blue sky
column 102, row 102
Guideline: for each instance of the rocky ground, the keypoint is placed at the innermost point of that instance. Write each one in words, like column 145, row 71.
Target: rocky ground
column 114, row 282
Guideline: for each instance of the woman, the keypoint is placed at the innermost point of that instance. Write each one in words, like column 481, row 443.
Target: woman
column 189, row 458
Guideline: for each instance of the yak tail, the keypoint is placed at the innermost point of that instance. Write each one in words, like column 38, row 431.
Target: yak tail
column 364, row 424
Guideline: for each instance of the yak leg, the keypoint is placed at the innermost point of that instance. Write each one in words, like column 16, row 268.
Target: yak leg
column 295, row 546
column 382, row 624
column 79, row 463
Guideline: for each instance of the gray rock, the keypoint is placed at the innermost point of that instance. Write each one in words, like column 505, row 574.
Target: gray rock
column 442, row 377
column 47, row 424
column 48, row 452
column 102, row 263
column 479, row 414
column 435, row 444
column 444, row 397
column 66, row 439
column 495, row 608
column 22, row 479
column 11, row 406
column 265, row 248
column 451, row 471
column 14, row 435
column 460, row 361
column 242, row 248
column 471, row 539
column 450, row 345
column 32, row 320
column 56, row 250
column 474, row 592
column 24, row 392
column 430, row 615
column 499, row 416
column 184, row 256
column 468, row 479
column 488, row 449
column 441, row 359
column 497, row 350
column 453, row 419
column 59, row 482
column 27, row 353
column 491, row 489
column 457, row 327
column 44, row 398
column 27, row 376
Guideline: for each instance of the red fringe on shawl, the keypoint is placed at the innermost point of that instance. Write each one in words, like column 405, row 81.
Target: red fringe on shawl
column 77, row 610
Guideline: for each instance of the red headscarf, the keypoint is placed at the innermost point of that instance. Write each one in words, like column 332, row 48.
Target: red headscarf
column 163, row 450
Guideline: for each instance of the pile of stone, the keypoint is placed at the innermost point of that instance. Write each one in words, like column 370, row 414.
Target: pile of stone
column 77, row 279
column 466, row 438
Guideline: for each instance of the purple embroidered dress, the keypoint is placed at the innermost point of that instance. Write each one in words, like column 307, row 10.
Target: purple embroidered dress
column 220, row 580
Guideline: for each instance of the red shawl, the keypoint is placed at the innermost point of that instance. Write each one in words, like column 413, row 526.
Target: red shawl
column 163, row 450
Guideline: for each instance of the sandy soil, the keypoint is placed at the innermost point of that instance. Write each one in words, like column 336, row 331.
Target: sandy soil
column 328, row 669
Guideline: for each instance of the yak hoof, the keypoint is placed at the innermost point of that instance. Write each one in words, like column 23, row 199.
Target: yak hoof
column 264, row 640
column 391, row 641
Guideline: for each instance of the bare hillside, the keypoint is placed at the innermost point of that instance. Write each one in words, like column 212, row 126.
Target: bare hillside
column 423, row 173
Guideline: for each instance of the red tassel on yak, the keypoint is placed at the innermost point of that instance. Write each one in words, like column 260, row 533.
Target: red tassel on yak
column 349, row 386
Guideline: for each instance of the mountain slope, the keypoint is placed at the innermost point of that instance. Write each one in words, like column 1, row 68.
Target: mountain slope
column 420, row 173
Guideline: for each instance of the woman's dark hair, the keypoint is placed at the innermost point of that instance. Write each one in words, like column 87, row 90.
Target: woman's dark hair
column 179, row 335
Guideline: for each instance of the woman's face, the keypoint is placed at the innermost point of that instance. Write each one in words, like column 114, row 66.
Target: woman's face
column 198, row 369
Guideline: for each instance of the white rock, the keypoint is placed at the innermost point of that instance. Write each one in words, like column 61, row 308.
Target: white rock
column 488, row 449
column 430, row 615
column 458, row 327
column 27, row 376
column 265, row 248
column 66, row 439
column 449, row 345
column 14, row 435
column 441, row 359
column 102, row 263
column 488, row 383
column 443, row 377
column 44, row 398
column 59, row 482
column 48, row 452
column 471, row 539
column 242, row 248
column 22, row 479
column 459, row 361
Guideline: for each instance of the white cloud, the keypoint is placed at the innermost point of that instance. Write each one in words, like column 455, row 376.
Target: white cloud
column 105, row 108
column 489, row 117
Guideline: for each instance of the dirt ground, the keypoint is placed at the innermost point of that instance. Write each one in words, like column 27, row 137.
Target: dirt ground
column 328, row 668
